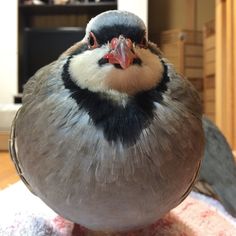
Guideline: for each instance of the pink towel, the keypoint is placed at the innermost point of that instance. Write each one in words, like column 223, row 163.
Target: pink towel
column 23, row 214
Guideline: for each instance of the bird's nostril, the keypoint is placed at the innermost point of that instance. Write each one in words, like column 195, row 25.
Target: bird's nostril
column 114, row 43
column 129, row 43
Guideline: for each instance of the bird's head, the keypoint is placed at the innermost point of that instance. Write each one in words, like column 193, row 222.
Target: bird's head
column 115, row 57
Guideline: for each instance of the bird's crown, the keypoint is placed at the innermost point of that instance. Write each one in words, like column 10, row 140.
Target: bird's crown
column 115, row 22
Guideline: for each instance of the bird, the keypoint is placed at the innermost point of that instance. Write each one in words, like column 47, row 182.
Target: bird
column 109, row 135
column 217, row 176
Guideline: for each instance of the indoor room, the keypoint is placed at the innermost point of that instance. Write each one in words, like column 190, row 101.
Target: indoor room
column 118, row 117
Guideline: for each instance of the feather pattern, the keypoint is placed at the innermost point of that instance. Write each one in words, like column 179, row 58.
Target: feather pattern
column 70, row 152
column 102, row 183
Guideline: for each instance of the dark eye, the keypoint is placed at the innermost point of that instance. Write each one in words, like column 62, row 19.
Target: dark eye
column 144, row 42
column 92, row 41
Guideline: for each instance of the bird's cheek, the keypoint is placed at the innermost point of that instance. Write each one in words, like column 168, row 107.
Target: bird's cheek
column 136, row 78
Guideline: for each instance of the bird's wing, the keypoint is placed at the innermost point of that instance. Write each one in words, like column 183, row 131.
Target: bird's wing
column 13, row 152
column 33, row 86
column 218, row 168
column 31, row 89
column 203, row 187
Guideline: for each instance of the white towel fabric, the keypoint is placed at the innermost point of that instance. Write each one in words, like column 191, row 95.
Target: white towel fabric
column 23, row 214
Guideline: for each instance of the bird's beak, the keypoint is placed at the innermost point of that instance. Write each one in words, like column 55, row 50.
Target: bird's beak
column 121, row 52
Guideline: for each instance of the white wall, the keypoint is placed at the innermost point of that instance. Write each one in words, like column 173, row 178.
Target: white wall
column 139, row 8
column 8, row 50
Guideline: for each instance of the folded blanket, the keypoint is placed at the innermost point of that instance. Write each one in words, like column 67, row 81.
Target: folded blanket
column 23, row 214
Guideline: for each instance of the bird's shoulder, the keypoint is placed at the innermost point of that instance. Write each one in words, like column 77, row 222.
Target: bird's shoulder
column 33, row 85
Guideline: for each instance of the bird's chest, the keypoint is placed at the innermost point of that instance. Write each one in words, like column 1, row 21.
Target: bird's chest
column 77, row 169
column 91, row 140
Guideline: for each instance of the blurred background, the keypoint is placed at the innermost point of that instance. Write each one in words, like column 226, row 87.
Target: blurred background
column 197, row 36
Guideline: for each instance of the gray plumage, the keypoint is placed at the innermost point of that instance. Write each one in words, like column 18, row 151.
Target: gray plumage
column 218, row 171
column 107, row 184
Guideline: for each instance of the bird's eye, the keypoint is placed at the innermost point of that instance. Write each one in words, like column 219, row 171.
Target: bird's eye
column 92, row 41
column 144, row 42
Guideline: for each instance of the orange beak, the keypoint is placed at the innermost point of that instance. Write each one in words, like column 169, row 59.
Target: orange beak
column 121, row 52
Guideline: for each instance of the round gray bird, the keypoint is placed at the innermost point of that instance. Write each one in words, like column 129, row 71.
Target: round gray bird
column 109, row 135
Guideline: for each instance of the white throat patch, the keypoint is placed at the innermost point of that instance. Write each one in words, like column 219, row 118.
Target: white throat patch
column 87, row 74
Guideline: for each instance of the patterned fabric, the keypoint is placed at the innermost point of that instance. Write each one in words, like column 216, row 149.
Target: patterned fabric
column 23, row 214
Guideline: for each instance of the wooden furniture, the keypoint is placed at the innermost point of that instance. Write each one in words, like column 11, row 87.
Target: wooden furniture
column 184, row 49
column 226, row 69
column 209, row 70
column 51, row 17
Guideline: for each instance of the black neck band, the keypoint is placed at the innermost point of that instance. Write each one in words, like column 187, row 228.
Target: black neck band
column 118, row 123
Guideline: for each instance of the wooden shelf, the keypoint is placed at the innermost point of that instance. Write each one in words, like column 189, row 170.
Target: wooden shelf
column 50, row 17
column 67, row 9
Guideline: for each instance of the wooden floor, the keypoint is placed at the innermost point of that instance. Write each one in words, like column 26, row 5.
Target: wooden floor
column 8, row 173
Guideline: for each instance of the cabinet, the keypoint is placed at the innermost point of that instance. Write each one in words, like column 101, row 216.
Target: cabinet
column 62, row 24
column 184, row 49
column 209, row 70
